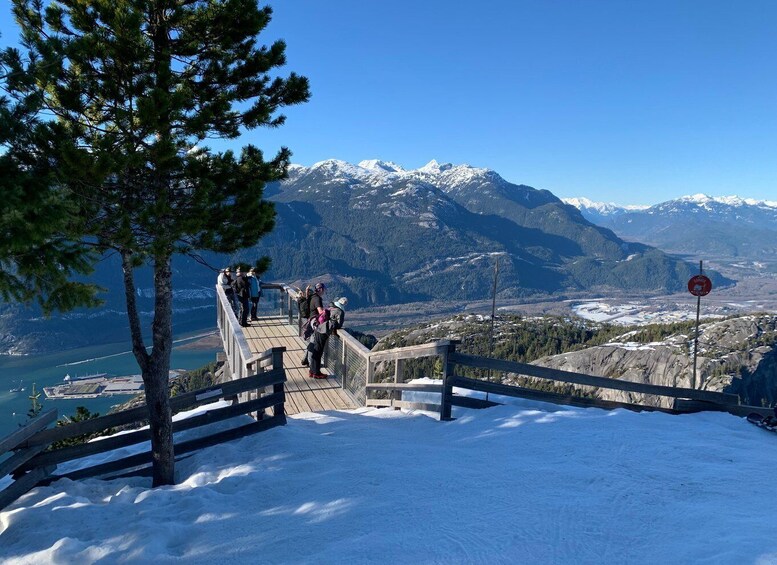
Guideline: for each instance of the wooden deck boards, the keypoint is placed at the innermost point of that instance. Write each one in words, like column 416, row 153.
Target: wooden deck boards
column 303, row 394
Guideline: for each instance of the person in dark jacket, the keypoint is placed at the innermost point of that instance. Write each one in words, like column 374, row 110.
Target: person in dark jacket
column 256, row 292
column 329, row 322
column 243, row 293
column 316, row 303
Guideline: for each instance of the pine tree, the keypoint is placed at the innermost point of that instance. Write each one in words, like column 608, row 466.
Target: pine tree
column 135, row 89
column 35, row 405
column 38, row 259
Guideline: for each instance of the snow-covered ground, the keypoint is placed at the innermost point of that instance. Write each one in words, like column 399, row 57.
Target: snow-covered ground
column 522, row 483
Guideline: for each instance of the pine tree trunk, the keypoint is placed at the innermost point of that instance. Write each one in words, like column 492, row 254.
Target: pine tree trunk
column 155, row 367
column 136, row 332
column 156, row 376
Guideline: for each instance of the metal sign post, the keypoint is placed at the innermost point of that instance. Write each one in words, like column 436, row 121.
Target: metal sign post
column 699, row 286
column 493, row 314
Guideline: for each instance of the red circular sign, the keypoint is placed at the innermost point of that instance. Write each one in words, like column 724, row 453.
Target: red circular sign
column 699, row 285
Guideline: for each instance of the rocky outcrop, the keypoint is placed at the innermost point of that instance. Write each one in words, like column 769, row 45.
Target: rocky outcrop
column 736, row 355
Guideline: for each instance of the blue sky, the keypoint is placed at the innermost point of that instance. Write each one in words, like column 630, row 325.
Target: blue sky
column 614, row 100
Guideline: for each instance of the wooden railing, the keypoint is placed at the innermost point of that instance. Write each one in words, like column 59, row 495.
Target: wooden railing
column 685, row 399
column 396, row 386
column 357, row 367
column 32, row 462
column 345, row 356
column 18, row 454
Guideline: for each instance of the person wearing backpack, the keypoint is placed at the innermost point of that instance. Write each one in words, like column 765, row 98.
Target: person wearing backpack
column 243, row 292
column 255, row 288
column 337, row 314
column 328, row 322
column 316, row 302
column 303, row 302
column 311, row 308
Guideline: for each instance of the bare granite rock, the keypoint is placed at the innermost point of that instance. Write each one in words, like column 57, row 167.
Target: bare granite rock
column 736, row 355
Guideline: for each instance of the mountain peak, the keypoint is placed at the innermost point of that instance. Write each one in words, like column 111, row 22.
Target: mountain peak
column 433, row 167
column 376, row 165
column 603, row 208
column 734, row 201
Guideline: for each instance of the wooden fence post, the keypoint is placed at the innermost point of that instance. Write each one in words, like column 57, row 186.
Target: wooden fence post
column 278, row 411
column 251, row 370
column 368, row 379
column 398, row 378
column 343, row 364
column 446, row 394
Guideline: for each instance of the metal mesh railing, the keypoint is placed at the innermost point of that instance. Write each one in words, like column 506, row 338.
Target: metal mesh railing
column 275, row 299
column 347, row 358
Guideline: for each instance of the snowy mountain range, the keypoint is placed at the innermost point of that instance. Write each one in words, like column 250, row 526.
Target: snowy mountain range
column 726, row 227
column 386, row 234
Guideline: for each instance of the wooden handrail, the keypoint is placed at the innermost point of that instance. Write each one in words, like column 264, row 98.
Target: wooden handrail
column 144, row 458
column 114, row 442
column 411, row 351
column 235, row 344
column 177, row 403
column 354, row 344
column 20, row 436
column 565, row 399
column 418, row 387
column 589, row 380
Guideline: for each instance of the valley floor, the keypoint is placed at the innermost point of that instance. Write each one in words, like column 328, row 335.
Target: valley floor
column 750, row 294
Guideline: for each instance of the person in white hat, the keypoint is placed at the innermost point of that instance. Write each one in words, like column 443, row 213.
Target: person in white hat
column 337, row 314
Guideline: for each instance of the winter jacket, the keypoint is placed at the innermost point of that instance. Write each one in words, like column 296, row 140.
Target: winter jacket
column 241, row 287
column 253, row 283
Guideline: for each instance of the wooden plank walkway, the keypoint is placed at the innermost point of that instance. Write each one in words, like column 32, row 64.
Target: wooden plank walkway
column 303, row 394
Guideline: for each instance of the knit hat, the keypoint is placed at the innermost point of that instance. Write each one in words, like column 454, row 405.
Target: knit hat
column 341, row 302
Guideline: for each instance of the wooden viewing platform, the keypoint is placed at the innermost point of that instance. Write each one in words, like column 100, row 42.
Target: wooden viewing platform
column 361, row 377
column 303, row 394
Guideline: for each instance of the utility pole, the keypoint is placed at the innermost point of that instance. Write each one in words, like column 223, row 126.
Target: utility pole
column 493, row 315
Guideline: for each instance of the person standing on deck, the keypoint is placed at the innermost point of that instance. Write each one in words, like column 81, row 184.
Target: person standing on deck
column 328, row 323
column 317, row 300
column 243, row 292
column 225, row 282
column 255, row 287
column 316, row 307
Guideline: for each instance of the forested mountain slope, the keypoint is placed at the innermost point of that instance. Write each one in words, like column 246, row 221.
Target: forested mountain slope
column 397, row 235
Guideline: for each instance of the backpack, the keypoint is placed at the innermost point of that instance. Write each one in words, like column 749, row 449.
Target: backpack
column 330, row 320
column 336, row 316
column 307, row 330
column 323, row 317
column 303, row 303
